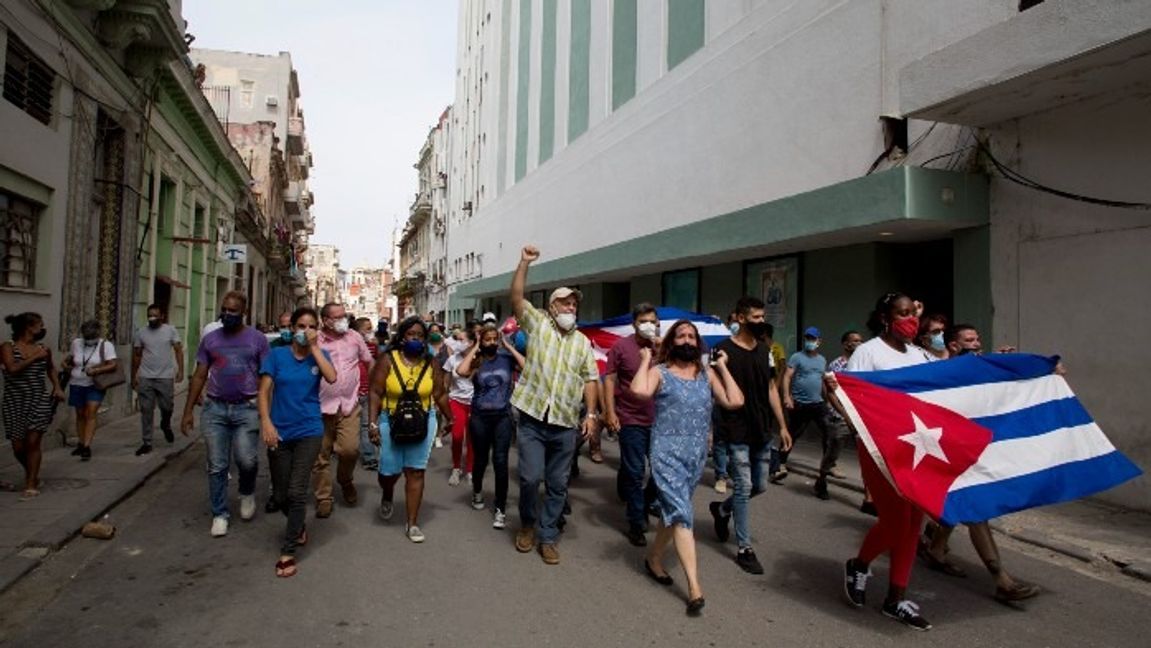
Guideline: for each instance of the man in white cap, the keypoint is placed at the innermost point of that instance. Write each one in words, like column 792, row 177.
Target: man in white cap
column 560, row 369
column 489, row 318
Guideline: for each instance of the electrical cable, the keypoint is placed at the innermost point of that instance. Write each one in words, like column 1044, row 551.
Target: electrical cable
column 1014, row 176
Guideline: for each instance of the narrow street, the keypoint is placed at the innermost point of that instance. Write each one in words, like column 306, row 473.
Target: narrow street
column 162, row 581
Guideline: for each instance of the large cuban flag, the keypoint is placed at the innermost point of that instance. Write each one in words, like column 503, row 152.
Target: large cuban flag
column 606, row 333
column 975, row 437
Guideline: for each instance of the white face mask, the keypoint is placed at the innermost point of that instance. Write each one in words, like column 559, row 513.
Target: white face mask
column 649, row 330
column 566, row 321
column 340, row 326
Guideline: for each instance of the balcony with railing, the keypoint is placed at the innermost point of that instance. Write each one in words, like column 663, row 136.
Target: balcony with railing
column 296, row 135
column 421, row 208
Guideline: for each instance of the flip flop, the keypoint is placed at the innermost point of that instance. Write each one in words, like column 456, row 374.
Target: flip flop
column 286, row 568
column 29, row 493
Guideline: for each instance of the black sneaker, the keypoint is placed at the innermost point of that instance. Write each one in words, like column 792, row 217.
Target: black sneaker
column 143, row 450
column 748, row 562
column 721, row 520
column 821, row 489
column 78, row 450
column 908, row 613
column 271, row 506
column 869, row 508
column 636, row 537
column 168, row 436
column 85, row 453
column 855, row 583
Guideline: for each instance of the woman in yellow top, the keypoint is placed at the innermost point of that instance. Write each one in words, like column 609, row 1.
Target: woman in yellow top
column 407, row 353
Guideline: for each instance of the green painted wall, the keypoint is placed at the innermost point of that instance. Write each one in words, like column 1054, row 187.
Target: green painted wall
column 838, row 288
column 524, row 49
column 722, row 286
column 579, row 78
column 685, row 29
column 548, row 81
column 972, row 279
column 505, row 56
column 624, row 27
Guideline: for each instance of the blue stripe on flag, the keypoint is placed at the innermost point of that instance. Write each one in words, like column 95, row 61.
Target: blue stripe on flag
column 963, row 371
column 1055, row 484
column 1036, row 420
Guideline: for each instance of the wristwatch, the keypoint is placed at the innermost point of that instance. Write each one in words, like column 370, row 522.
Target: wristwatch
column 593, row 416
column 373, row 426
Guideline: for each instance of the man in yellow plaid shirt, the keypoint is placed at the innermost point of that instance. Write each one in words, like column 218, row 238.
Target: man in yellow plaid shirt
column 560, row 368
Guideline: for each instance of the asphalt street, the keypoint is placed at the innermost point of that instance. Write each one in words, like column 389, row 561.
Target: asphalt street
column 163, row 581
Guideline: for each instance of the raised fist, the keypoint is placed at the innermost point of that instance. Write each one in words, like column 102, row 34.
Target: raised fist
column 530, row 253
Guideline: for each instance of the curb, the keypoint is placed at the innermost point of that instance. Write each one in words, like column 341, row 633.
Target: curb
column 1137, row 569
column 53, row 537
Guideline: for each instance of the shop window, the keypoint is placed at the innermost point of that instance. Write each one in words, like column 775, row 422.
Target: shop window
column 681, row 289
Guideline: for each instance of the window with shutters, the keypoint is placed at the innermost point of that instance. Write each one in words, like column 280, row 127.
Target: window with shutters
column 28, row 82
column 19, row 225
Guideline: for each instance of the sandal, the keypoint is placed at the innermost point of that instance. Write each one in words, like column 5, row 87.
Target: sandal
column 29, row 493
column 1020, row 591
column 286, row 568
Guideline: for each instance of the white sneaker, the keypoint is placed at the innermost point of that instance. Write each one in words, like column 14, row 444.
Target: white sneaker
column 247, row 507
column 721, row 486
column 439, row 442
column 414, row 534
column 468, row 478
column 454, row 479
column 499, row 520
column 219, row 526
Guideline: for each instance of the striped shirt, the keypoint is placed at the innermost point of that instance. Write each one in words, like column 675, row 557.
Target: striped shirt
column 558, row 365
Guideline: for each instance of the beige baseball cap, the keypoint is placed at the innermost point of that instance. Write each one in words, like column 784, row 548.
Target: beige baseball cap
column 564, row 292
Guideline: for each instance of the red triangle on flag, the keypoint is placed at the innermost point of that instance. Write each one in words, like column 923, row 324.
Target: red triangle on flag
column 921, row 447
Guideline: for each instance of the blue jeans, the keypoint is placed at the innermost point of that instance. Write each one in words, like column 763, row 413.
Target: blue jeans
column 545, row 454
column 719, row 456
column 230, row 429
column 634, row 448
column 748, row 463
column 368, row 452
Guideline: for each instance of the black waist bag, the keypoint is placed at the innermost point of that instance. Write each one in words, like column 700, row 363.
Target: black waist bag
column 408, row 423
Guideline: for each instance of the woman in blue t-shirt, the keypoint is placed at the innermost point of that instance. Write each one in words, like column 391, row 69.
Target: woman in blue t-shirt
column 292, row 426
column 490, row 426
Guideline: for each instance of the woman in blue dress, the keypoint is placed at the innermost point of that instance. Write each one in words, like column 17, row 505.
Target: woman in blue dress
column 683, row 389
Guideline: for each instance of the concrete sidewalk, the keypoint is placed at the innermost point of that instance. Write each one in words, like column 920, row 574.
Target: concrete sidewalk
column 1085, row 530
column 75, row 492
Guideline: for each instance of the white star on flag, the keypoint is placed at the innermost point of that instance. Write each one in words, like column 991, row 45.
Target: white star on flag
column 926, row 442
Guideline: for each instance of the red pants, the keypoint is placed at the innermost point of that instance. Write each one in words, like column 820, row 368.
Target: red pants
column 897, row 529
column 460, row 414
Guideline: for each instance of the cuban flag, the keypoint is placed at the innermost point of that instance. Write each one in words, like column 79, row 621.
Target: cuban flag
column 606, row 333
column 975, row 437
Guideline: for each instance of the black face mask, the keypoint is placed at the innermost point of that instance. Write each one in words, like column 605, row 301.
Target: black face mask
column 757, row 329
column 489, row 350
column 231, row 321
column 154, row 323
column 685, row 352
column 39, row 335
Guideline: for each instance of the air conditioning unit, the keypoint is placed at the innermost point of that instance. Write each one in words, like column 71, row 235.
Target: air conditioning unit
column 271, row 101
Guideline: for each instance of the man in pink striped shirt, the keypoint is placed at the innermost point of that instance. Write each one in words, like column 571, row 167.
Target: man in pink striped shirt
column 339, row 403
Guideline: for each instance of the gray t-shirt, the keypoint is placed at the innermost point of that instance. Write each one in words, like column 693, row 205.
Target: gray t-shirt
column 157, row 359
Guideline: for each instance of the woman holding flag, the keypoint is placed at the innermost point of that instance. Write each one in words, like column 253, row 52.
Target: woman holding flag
column 895, row 323
column 683, row 390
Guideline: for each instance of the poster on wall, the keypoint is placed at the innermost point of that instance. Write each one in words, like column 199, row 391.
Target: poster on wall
column 776, row 282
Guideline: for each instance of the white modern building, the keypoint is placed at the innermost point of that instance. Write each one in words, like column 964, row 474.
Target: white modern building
column 988, row 157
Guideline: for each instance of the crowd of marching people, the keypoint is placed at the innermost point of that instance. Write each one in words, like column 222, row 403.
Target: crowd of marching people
column 325, row 388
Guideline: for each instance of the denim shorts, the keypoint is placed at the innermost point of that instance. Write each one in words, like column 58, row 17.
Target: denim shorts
column 81, row 395
column 394, row 458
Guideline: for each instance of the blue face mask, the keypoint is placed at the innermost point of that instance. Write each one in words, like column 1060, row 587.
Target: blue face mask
column 286, row 334
column 301, row 338
column 937, row 342
column 414, row 348
column 734, row 328
column 810, row 345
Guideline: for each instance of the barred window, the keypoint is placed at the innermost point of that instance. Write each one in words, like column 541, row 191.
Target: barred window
column 19, row 221
column 28, row 81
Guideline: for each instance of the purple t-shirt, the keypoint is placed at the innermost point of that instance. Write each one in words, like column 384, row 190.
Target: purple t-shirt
column 233, row 361
column 623, row 361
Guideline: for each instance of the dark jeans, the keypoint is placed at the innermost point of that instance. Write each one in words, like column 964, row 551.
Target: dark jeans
column 491, row 434
column 153, row 392
column 545, row 453
column 291, row 464
column 634, row 447
column 798, row 420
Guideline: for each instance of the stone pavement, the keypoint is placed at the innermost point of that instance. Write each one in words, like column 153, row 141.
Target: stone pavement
column 75, row 492
column 1086, row 530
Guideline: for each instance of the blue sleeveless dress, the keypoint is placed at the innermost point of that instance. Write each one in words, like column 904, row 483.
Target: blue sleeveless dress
column 679, row 443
